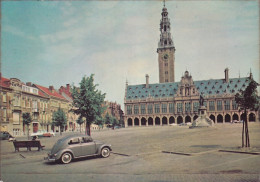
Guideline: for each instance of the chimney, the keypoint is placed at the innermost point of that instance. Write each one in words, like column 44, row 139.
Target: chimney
column 147, row 81
column 51, row 88
column 226, row 75
column 29, row 84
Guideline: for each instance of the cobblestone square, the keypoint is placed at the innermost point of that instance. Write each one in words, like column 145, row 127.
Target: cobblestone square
column 161, row 153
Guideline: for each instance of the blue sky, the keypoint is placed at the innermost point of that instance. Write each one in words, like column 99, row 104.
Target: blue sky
column 55, row 43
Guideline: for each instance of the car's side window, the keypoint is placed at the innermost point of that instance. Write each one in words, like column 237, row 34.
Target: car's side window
column 74, row 141
column 86, row 140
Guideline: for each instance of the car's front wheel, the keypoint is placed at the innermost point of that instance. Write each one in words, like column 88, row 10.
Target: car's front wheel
column 105, row 152
column 66, row 158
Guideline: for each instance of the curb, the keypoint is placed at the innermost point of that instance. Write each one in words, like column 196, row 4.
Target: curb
column 240, row 152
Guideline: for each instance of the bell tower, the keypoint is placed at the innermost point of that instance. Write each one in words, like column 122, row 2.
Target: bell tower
column 166, row 50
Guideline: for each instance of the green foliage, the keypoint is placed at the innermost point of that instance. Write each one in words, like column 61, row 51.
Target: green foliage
column 107, row 119
column 111, row 120
column 59, row 118
column 27, row 119
column 87, row 101
column 248, row 99
column 80, row 121
column 99, row 121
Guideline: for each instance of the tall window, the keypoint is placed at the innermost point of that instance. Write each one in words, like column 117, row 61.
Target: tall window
column 4, row 97
column 219, row 105
column 212, row 105
column 227, row 105
column 16, row 100
column 234, row 105
column 164, row 108
column 143, row 109
column 129, row 109
column 179, row 107
column 187, row 107
column 157, row 108
column 136, row 109
column 4, row 114
column 171, row 107
column 150, row 109
column 195, row 106
column 34, row 104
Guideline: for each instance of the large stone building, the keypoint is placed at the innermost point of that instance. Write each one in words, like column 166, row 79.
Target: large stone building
column 177, row 102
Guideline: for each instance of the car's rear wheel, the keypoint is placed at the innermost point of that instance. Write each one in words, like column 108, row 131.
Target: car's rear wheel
column 66, row 158
column 105, row 152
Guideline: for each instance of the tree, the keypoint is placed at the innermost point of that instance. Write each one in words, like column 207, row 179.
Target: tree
column 247, row 100
column 59, row 119
column 80, row 122
column 100, row 122
column 107, row 119
column 27, row 119
column 114, row 122
column 87, row 101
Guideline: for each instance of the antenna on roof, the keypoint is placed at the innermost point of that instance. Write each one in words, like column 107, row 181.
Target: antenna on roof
column 239, row 74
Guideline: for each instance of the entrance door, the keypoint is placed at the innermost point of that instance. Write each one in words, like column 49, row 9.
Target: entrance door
column 35, row 127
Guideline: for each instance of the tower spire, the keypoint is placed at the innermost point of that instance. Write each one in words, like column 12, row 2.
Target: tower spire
column 166, row 49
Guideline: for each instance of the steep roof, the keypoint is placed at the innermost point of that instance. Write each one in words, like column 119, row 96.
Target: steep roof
column 4, row 82
column 206, row 87
column 48, row 92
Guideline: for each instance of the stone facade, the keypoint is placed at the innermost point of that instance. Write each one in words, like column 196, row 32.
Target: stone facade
column 170, row 102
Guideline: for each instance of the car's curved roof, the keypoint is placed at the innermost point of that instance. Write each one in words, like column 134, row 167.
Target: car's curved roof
column 73, row 136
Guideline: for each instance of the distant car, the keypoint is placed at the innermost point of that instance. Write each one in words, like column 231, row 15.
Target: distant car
column 183, row 124
column 117, row 127
column 43, row 133
column 235, row 121
column 48, row 133
column 188, row 123
column 4, row 135
column 77, row 146
column 173, row 124
column 39, row 133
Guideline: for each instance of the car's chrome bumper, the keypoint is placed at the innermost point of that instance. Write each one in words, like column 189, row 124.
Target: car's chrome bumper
column 49, row 159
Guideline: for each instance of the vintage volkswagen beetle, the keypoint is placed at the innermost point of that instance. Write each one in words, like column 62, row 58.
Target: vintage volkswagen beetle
column 77, row 146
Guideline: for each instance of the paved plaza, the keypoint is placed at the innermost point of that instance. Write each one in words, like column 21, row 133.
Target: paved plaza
column 160, row 153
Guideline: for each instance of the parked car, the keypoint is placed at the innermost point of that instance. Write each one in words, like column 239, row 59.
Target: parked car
column 4, row 135
column 39, row 133
column 235, row 121
column 48, row 133
column 183, row 124
column 43, row 133
column 173, row 124
column 188, row 123
column 77, row 146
